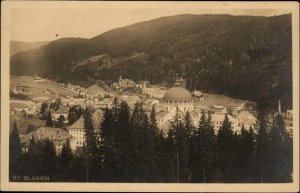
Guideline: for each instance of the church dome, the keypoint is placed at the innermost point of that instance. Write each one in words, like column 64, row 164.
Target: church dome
column 177, row 93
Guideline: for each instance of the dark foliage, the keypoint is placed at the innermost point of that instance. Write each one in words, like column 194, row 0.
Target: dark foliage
column 133, row 149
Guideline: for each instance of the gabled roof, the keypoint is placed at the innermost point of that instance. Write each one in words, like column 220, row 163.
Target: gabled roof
column 220, row 118
column 95, row 89
column 57, row 135
column 79, row 124
column 177, row 93
column 245, row 115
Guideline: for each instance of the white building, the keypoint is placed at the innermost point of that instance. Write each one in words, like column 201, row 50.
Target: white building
column 57, row 135
column 247, row 119
column 62, row 111
column 78, row 132
column 217, row 120
column 178, row 96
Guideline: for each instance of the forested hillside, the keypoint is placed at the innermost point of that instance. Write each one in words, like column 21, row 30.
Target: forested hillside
column 17, row 46
column 245, row 57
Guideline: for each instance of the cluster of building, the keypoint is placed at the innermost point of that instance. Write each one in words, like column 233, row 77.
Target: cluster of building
column 75, row 134
column 165, row 101
column 179, row 98
column 123, row 84
column 74, row 88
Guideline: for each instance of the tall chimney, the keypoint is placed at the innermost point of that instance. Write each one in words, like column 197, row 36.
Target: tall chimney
column 279, row 107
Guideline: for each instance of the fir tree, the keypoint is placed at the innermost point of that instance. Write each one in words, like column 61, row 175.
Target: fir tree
column 107, row 144
column 225, row 148
column 72, row 117
column 278, row 165
column 49, row 122
column 48, row 159
column 157, row 143
column 15, row 153
column 64, row 162
column 188, row 123
column 66, row 156
column 35, row 156
column 121, row 136
column 262, row 152
column 78, row 169
column 246, row 155
column 60, row 122
column 91, row 149
column 44, row 107
column 203, row 147
column 179, row 136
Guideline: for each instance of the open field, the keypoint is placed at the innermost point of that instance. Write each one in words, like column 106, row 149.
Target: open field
column 22, row 123
column 35, row 89
column 220, row 100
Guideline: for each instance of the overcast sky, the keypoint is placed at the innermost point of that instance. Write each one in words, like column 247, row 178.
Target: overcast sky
column 33, row 22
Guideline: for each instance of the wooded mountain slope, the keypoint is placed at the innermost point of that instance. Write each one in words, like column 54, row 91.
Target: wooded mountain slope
column 247, row 57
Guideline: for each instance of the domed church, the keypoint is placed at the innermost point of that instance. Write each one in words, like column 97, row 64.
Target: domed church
column 177, row 96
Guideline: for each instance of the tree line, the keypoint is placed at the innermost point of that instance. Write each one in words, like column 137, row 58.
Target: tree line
column 132, row 148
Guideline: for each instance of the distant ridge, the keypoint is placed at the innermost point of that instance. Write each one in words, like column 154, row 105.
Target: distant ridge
column 19, row 46
column 246, row 57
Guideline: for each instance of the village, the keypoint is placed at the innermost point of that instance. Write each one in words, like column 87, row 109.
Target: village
column 32, row 116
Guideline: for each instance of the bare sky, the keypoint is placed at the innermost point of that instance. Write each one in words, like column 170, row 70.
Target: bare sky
column 36, row 22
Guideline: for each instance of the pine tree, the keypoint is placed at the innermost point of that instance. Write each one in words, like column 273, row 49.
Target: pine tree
column 49, row 122
column 107, row 130
column 278, row 165
column 34, row 156
column 78, row 169
column 246, row 155
column 65, row 159
column 72, row 117
column 225, row 148
column 203, row 144
column 157, row 144
column 91, row 149
column 262, row 151
column 171, row 157
column 188, row 123
column 141, row 146
column 121, row 134
column 153, row 122
column 48, row 159
column 60, row 123
column 15, row 153
column 179, row 138
column 44, row 107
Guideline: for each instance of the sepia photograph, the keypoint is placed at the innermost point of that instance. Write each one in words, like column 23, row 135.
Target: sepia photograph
column 150, row 96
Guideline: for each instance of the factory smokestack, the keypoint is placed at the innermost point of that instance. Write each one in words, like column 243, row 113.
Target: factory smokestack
column 279, row 107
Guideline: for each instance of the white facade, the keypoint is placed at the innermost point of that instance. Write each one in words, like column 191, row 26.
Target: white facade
column 79, row 136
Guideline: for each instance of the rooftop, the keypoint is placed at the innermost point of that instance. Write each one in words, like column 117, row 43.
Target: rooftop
column 79, row 124
column 177, row 93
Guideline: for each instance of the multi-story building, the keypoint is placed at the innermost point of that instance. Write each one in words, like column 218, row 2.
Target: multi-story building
column 57, row 135
column 78, row 132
